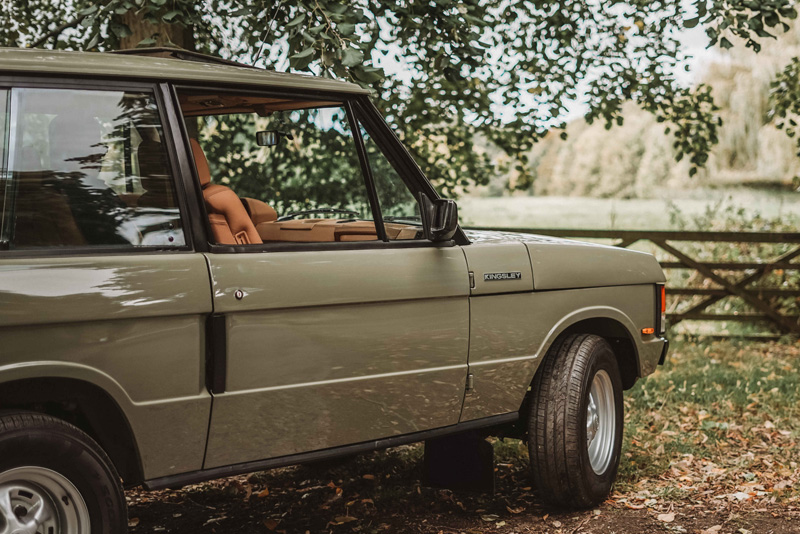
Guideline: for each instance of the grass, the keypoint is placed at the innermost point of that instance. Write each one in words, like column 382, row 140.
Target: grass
column 607, row 213
column 720, row 418
column 710, row 438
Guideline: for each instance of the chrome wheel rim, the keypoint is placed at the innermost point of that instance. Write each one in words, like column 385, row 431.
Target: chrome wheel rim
column 36, row 500
column 601, row 422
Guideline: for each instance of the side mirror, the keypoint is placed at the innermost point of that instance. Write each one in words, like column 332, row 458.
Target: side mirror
column 439, row 218
column 267, row 138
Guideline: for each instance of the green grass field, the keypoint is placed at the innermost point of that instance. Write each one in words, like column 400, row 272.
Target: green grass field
column 626, row 214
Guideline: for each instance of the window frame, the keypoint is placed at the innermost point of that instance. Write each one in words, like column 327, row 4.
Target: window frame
column 398, row 155
column 12, row 83
column 353, row 105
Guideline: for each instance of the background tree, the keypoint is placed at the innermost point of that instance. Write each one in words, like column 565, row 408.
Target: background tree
column 471, row 72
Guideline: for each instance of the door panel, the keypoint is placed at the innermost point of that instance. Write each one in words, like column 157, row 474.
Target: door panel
column 334, row 347
column 132, row 325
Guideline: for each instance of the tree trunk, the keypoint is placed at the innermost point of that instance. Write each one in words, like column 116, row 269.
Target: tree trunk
column 165, row 34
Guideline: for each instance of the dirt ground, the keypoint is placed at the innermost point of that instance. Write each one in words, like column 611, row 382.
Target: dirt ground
column 381, row 492
column 711, row 446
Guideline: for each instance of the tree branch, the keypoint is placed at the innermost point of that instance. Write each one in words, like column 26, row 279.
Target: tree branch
column 57, row 31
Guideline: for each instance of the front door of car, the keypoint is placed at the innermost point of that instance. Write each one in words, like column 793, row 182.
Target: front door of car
column 327, row 348
column 327, row 333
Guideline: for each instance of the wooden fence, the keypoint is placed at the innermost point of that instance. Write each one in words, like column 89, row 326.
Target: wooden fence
column 738, row 285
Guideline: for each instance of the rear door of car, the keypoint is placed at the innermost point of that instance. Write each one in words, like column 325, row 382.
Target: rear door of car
column 328, row 344
column 99, row 283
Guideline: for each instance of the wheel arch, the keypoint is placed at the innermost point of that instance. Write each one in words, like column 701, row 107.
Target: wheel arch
column 84, row 404
column 620, row 339
column 609, row 328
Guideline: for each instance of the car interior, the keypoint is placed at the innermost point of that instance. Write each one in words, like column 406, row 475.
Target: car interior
column 242, row 220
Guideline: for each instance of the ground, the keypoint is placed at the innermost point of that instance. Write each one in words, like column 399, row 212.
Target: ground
column 711, row 447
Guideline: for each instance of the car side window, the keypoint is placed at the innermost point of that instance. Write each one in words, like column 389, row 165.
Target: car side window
column 399, row 208
column 87, row 168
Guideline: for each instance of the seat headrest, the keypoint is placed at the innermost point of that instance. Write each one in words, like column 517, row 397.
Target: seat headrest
column 259, row 211
column 200, row 162
column 153, row 169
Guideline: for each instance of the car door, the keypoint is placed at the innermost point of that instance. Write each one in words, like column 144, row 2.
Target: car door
column 325, row 344
column 99, row 286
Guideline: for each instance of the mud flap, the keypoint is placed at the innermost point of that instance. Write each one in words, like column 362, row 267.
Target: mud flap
column 460, row 462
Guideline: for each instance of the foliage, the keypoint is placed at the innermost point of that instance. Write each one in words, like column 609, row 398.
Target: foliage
column 718, row 421
column 785, row 99
column 505, row 71
column 280, row 175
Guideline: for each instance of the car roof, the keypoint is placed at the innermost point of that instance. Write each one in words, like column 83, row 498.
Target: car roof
column 149, row 67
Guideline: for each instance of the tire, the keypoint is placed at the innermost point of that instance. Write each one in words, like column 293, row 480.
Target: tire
column 53, row 474
column 567, row 469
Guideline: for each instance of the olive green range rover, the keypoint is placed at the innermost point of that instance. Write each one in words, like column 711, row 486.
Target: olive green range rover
column 208, row 269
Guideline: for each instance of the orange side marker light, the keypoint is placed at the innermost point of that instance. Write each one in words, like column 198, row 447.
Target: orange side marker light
column 648, row 331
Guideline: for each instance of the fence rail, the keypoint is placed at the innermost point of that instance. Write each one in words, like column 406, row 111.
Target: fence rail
column 762, row 300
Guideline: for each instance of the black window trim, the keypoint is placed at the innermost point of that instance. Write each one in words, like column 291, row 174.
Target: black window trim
column 398, row 155
column 51, row 82
column 347, row 101
column 366, row 171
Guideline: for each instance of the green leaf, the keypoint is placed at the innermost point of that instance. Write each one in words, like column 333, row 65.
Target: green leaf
column 120, row 30
column 302, row 54
column 367, row 74
column 297, row 20
column 346, row 28
column 170, row 16
column 691, row 23
column 88, row 10
column 725, row 43
column 147, row 42
column 93, row 41
column 352, row 57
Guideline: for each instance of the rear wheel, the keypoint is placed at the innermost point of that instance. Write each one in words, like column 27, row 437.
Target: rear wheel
column 575, row 424
column 54, row 479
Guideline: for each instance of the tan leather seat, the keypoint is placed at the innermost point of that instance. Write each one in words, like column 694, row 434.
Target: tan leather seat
column 259, row 211
column 229, row 220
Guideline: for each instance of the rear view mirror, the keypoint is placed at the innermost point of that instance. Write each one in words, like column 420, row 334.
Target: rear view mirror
column 439, row 218
column 267, row 138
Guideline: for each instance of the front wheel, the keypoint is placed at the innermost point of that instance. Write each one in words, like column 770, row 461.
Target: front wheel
column 54, row 479
column 575, row 422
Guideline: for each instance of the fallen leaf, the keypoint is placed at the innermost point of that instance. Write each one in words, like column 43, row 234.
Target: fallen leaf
column 263, row 493
column 557, row 524
column 490, row 517
column 368, row 477
column 342, row 519
column 132, row 522
column 666, row 518
column 271, row 524
column 515, row 510
column 712, row 530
